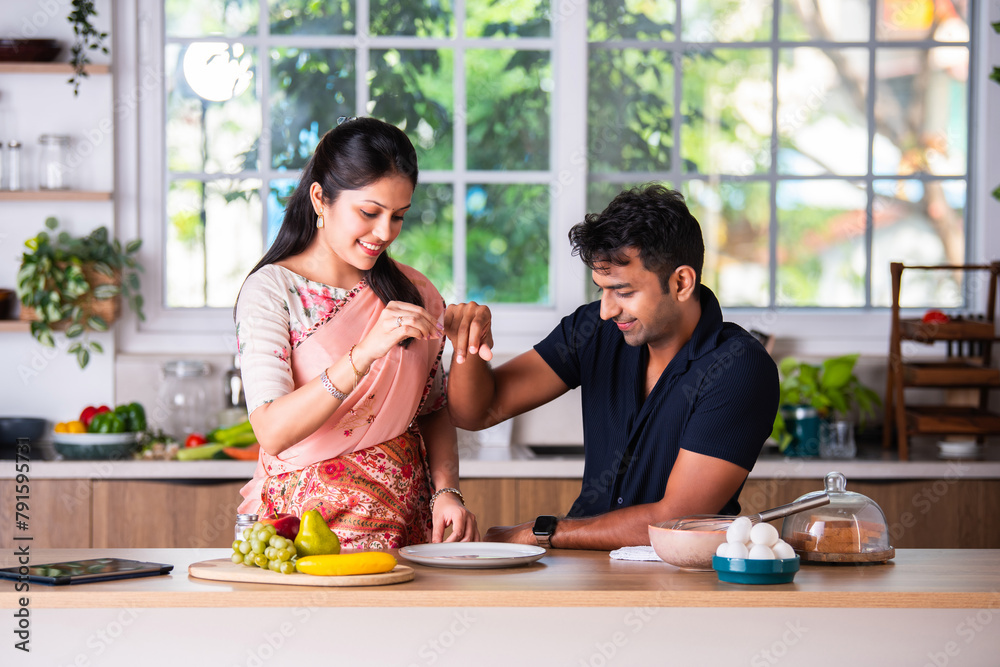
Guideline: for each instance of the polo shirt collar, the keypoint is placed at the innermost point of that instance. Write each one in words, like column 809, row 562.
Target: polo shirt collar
column 706, row 333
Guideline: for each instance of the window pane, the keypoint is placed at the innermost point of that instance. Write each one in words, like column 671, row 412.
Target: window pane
column 308, row 17
column 734, row 219
column 920, row 223
column 507, row 18
column 826, row 20
column 921, row 103
column 413, row 90
column 630, row 19
column 277, row 198
column 821, row 243
column 906, row 20
column 213, row 240
column 213, row 114
column 822, row 111
column 195, row 18
column 507, row 248
column 727, row 111
column 310, row 90
column 600, row 194
column 412, row 17
column 508, row 108
column 726, row 20
column 631, row 129
column 426, row 242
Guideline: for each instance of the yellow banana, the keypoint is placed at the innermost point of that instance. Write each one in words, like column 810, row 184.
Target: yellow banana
column 363, row 562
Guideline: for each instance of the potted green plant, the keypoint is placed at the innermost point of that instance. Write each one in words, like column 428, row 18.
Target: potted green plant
column 75, row 283
column 810, row 393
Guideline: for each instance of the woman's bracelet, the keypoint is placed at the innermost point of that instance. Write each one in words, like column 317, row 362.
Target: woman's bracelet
column 357, row 375
column 446, row 490
column 325, row 381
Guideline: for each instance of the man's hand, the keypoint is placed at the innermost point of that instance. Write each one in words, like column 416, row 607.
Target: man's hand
column 468, row 327
column 516, row 534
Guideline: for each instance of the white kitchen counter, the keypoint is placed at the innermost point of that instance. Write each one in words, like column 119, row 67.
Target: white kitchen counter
column 517, row 462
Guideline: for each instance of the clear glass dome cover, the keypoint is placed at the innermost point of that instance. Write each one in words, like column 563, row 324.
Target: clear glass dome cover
column 851, row 528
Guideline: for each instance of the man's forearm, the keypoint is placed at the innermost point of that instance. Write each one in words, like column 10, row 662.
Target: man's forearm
column 471, row 390
column 624, row 527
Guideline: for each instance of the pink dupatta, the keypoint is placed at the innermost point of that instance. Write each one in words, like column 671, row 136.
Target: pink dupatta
column 385, row 401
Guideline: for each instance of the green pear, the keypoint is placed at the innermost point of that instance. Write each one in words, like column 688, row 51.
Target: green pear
column 315, row 537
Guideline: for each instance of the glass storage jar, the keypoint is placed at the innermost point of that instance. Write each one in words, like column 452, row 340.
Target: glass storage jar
column 53, row 149
column 244, row 521
column 850, row 529
column 184, row 397
column 12, row 166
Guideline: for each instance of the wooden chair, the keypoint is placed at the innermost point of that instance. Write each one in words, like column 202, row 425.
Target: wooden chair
column 965, row 364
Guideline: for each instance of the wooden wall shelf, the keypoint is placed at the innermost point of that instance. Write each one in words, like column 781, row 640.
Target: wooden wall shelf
column 14, row 326
column 49, row 68
column 54, row 195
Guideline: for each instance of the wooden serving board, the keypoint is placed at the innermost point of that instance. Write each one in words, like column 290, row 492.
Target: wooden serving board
column 223, row 569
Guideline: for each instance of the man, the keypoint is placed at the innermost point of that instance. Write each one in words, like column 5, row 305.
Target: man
column 676, row 403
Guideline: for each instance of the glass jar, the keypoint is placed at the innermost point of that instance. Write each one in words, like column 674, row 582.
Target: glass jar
column 13, row 166
column 52, row 161
column 184, row 397
column 244, row 521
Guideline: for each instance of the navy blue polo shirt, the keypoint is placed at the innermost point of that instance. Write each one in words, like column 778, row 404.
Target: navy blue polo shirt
column 717, row 397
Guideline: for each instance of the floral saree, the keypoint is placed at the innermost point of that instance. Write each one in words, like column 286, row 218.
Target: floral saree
column 365, row 468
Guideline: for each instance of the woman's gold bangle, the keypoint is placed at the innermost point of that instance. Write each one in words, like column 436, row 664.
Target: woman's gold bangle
column 357, row 374
column 446, row 490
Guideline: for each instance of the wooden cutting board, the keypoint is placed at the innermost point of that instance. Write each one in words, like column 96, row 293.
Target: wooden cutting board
column 223, row 569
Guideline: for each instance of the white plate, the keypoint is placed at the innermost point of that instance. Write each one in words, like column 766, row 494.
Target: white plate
column 472, row 554
column 94, row 438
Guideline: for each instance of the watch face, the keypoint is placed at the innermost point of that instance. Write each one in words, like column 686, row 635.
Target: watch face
column 545, row 525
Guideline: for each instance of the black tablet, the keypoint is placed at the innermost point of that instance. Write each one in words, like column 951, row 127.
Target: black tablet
column 85, row 571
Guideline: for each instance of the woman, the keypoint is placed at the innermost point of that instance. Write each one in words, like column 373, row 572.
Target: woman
column 340, row 352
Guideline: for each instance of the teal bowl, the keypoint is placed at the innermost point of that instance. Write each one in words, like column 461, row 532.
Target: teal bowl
column 749, row 571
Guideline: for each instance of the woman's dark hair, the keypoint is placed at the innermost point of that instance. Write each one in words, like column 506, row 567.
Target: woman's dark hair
column 652, row 219
column 353, row 155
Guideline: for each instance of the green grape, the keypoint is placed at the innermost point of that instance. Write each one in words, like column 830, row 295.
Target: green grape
column 248, row 560
column 237, row 558
column 274, row 565
column 236, row 545
column 256, row 526
column 283, row 555
column 260, row 561
column 287, row 568
column 271, row 529
column 244, row 547
column 290, row 548
column 246, row 533
column 276, row 541
column 257, row 546
column 261, row 535
column 270, row 553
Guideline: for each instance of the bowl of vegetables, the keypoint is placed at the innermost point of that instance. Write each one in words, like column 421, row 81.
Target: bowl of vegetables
column 101, row 433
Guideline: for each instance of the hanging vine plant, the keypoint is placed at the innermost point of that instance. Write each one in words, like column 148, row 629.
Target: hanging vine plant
column 87, row 38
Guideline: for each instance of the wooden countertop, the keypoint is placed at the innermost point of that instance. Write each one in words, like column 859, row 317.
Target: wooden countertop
column 915, row 579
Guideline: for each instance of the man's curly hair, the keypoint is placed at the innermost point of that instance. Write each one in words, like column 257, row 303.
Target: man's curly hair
column 652, row 219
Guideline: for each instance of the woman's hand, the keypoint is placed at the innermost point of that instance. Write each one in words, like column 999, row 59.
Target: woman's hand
column 468, row 326
column 398, row 321
column 449, row 511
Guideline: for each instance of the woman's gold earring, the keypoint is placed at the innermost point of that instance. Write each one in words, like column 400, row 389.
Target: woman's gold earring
column 319, row 222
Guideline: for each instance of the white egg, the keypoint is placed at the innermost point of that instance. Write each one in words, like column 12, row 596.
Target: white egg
column 764, row 533
column 739, row 530
column 783, row 549
column 737, row 550
column 723, row 550
column 761, row 552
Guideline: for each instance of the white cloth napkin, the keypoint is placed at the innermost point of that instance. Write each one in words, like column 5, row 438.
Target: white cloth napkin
column 634, row 553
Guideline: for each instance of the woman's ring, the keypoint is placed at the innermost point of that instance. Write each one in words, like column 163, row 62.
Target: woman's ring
column 399, row 321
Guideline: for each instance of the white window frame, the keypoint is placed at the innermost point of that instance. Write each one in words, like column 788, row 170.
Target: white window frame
column 139, row 204
column 210, row 330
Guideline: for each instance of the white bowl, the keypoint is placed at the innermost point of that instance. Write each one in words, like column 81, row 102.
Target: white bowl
column 95, row 438
column 958, row 449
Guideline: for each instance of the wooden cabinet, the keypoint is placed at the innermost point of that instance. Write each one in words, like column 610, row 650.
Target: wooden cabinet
column 155, row 513
column 58, row 513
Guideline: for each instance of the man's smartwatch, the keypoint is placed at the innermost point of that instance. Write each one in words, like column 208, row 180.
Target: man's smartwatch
column 545, row 527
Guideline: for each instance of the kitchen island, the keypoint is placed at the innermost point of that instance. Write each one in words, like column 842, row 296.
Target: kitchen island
column 935, row 607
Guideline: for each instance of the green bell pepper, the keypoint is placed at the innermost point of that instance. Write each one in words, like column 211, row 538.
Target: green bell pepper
column 110, row 422
column 136, row 417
